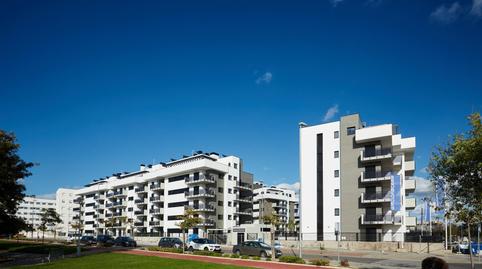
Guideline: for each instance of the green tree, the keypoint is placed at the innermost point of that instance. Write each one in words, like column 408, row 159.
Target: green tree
column 291, row 225
column 78, row 226
column 188, row 221
column 48, row 218
column 274, row 221
column 456, row 171
column 12, row 170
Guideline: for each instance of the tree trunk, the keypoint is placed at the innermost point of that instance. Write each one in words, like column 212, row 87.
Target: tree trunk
column 470, row 247
column 273, row 251
column 43, row 235
column 183, row 240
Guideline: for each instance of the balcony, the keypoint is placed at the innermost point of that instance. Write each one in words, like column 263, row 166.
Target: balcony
column 140, row 201
column 207, row 223
column 157, row 211
column 200, row 194
column 411, row 221
column 243, row 212
column 410, row 184
column 375, row 197
column 243, row 200
column 140, row 213
column 375, row 176
column 206, row 179
column 99, row 197
column 115, row 194
column 140, row 190
column 117, row 214
column 375, row 155
column 244, row 186
column 154, row 223
column 409, row 165
column 375, row 133
column 410, row 203
column 156, row 187
column 139, row 224
column 381, row 219
column 155, row 199
column 204, row 208
column 118, row 204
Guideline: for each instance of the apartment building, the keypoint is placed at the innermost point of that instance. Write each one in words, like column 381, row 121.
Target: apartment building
column 65, row 208
column 152, row 199
column 271, row 200
column 355, row 180
column 30, row 209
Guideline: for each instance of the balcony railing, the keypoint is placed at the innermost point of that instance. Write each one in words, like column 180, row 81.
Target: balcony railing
column 115, row 194
column 140, row 201
column 204, row 208
column 381, row 219
column 373, row 176
column 244, row 212
column 155, row 211
column 138, row 224
column 139, row 212
column 156, row 186
column 244, row 186
column 207, row 222
column 138, row 190
column 155, row 199
column 205, row 179
column 375, row 197
column 243, row 200
column 154, row 223
column 201, row 193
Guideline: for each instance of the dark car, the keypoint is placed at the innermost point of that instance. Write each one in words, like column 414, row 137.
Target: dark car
column 88, row 240
column 255, row 248
column 170, row 242
column 125, row 241
column 105, row 240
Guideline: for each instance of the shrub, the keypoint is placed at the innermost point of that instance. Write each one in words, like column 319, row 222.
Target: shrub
column 268, row 259
column 344, row 263
column 207, row 253
column 227, row 255
column 245, row 257
column 291, row 259
column 234, row 256
column 256, row 258
column 173, row 250
column 320, row 262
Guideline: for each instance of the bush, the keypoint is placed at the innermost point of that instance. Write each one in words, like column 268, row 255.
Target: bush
column 245, row 257
column 172, row 250
column 234, row 256
column 320, row 262
column 256, row 258
column 268, row 259
column 227, row 255
column 344, row 263
column 207, row 253
column 291, row 259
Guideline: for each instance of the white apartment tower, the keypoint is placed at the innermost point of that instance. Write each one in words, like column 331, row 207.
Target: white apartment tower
column 355, row 181
column 272, row 200
column 152, row 199
column 65, row 208
column 30, row 209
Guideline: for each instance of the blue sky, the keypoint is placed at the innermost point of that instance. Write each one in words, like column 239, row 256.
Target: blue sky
column 97, row 87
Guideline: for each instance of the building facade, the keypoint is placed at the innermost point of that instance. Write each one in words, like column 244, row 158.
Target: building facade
column 151, row 200
column 30, row 209
column 355, row 181
column 65, row 208
column 276, row 201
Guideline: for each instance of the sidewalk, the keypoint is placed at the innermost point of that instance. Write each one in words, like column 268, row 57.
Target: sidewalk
column 220, row 260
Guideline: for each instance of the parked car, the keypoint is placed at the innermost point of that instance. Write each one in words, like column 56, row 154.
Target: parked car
column 105, row 240
column 125, row 241
column 203, row 244
column 170, row 242
column 88, row 240
column 255, row 248
column 277, row 245
column 71, row 238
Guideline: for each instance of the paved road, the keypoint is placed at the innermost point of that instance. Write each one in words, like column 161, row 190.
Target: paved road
column 377, row 260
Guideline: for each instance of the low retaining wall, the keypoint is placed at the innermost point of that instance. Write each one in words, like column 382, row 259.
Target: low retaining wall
column 377, row 246
column 147, row 241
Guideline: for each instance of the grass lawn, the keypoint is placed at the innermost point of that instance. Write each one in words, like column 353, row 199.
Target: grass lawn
column 33, row 247
column 120, row 261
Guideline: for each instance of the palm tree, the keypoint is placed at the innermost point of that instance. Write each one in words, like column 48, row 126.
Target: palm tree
column 77, row 226
column 188, row 221
column 274, row 220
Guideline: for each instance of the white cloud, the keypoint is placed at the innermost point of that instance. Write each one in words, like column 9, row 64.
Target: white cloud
column 330, row 113
column 447, row 14
column 265, row 78
column 424, row 187
column 476, row 8
column 294, row 187
column 334, row 3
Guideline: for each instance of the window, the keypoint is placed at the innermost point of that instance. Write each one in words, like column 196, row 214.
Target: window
column 235, row 178
column 336, row 134
column 177, row 204
column 230, row 217
column 337, row 154
column 235, row 166
column 230, row 177
column 220, row 217
column 230, row 203
column 178, row 191
column 220, row 189
column 220, row 203
column 131, row 198
column 130, row 209
column 131, row 187
column 337, row 173
column 230, row 190
column 337, row 212
column 337, row 192
column 350, row 130
column 178, row 178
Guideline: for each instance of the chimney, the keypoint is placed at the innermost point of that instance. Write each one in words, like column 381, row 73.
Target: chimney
column 143, row 167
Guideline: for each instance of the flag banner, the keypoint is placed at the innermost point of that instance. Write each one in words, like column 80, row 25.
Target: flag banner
column 396, row 197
